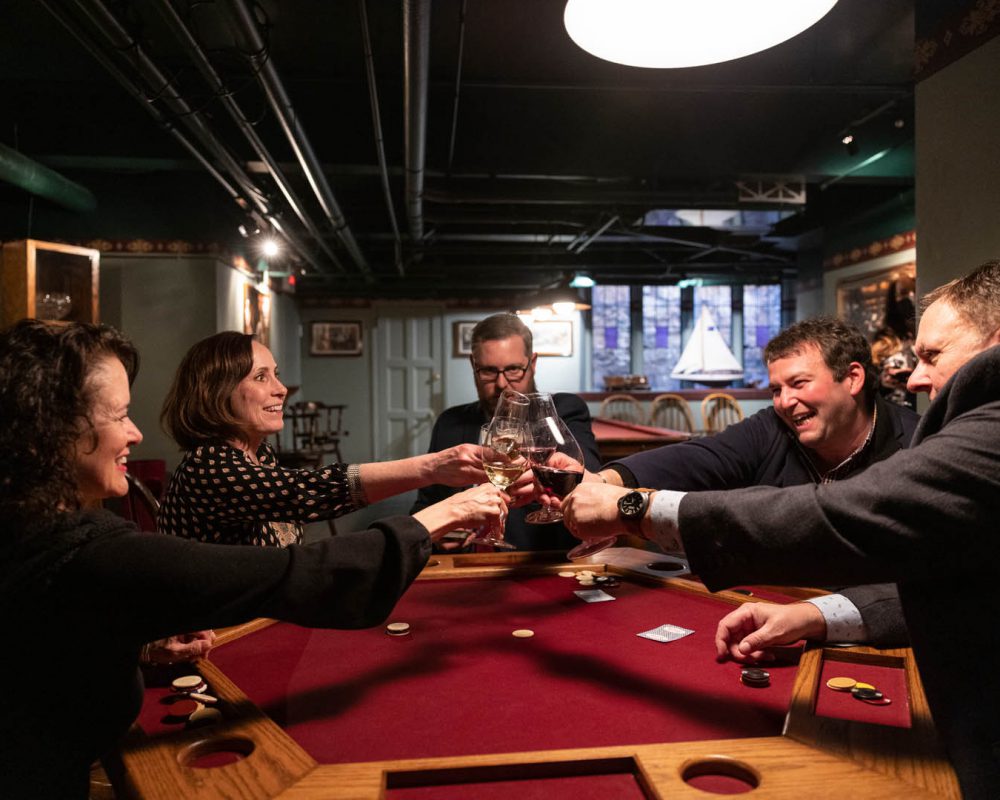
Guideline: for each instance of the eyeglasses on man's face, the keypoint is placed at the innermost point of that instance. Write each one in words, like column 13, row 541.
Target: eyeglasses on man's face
column 490, row 374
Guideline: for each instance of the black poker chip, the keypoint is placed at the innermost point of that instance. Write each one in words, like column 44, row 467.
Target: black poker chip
column 862, row 693
column 753, row 676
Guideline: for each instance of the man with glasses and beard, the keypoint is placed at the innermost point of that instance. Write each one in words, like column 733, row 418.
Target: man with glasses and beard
column 503, row 358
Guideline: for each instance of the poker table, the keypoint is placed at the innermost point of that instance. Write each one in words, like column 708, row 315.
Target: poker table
column 617, row 438
column 583, row 708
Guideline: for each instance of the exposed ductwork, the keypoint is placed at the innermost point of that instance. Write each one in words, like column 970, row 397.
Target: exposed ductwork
column 255, row 51
column 39, row 180
column 416, row 58
column 219, row 90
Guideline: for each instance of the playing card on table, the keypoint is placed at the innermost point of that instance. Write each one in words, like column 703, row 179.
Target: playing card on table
column 593, row 595
column 666, row 633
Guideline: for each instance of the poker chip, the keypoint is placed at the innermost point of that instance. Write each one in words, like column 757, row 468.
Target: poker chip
column 523, row 633
column 397, row 628
column 189, row 683
column 585, row 573
column 587, row 582
column 864, row 693
column 878, row 701
column 753, row 676
column 567, row 574
column 841, row 684
column 860, row 685
column 204, row 716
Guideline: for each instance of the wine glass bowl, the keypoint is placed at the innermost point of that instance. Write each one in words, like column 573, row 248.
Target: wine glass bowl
column 554, row 455
column 502, row 442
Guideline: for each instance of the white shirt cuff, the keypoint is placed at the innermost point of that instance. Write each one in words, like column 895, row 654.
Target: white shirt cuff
column 843, row 619
column 664, row 512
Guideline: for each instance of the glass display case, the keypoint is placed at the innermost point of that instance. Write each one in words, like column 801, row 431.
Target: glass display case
column 49, row 281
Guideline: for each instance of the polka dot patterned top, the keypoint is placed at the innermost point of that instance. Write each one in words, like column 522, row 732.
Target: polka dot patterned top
column 218, row 495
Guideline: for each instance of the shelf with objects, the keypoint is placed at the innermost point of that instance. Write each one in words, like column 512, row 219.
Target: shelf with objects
column 48, row 280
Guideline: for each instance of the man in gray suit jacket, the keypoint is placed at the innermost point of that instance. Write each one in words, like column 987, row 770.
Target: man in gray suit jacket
column 925, row 518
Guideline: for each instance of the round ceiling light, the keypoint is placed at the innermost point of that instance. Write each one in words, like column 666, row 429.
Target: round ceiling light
column 686, row 33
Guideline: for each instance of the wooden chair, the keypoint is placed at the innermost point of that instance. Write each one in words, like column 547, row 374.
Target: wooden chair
column 139, row 506
column 623, row 407
column 672, row 411
column 720, row 410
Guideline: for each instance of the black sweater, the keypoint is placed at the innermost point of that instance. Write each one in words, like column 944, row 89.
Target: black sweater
column 79, row 601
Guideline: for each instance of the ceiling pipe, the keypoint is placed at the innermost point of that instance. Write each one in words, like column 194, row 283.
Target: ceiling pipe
column 219, row 89
column 281, row 104
column 458, row 86
column 163, row 91
column 379, row 141
column 136, row 93
column 416, row 60
column 41, row 181
column 587, row 242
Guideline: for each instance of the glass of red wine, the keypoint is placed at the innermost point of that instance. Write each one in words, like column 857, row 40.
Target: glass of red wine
column 553, row 453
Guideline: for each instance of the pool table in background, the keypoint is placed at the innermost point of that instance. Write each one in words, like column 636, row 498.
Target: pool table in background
column 617, row 438
column 459, row 708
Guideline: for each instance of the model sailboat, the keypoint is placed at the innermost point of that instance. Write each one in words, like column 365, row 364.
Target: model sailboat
column 706, row 359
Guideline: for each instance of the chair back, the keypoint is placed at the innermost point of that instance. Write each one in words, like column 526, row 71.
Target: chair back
column 672, row 411
column 720, row 410
column 623, row 407
column 140, row 505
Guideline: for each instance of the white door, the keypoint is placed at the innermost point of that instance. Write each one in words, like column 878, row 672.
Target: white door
column 408, row 392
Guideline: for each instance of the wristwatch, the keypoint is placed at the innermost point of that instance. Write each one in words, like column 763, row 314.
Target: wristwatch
column 632, row 506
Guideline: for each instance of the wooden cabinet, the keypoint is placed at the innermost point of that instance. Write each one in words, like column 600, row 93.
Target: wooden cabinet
column 48, row 281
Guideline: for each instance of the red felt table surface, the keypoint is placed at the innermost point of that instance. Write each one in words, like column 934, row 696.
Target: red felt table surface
column 461, row 684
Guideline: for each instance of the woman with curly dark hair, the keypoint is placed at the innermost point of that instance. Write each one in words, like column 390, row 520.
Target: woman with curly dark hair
column 82, row 590
column 226, row 399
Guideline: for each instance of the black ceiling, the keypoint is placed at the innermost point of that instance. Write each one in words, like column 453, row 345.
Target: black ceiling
column 531, row 145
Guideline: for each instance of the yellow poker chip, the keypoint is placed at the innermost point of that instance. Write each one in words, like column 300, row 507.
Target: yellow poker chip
column 842, row 684
column 860, row 685
column 523, row 633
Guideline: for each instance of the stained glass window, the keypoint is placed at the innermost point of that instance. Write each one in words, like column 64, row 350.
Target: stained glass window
column 719, row 300
column 612, row 333
column 661, row 334
column 761, row 322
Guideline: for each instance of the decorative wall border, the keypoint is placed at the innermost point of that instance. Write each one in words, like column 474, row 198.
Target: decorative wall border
column 957, row 34
column 876, row 249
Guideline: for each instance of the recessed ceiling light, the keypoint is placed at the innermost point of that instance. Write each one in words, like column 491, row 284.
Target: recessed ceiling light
column 686, row 33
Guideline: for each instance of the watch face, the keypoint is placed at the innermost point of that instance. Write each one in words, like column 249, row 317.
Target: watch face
column 631, row 505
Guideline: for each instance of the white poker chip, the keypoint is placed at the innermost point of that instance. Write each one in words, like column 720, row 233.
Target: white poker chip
column 397, row 628
column 187, row 683
column 567, row 574
column 523, row 633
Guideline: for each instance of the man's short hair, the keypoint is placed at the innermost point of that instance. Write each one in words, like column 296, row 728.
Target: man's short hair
column 839, row 342
column 975, row 297
column 501, row 326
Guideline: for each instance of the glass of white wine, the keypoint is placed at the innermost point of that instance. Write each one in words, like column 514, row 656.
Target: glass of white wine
column 503, row 463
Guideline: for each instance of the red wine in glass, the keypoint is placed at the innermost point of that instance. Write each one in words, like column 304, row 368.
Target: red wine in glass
column 558, row 482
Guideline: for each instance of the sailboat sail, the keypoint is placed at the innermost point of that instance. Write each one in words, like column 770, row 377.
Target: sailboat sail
column 706, row 359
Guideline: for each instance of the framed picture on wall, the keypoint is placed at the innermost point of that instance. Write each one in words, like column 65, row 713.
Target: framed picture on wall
column 461, row 338
column 257, row 313
column 553, row 337
column 864, row 300
column 335, row 338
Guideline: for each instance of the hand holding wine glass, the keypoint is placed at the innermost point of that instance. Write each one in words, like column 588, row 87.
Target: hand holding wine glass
column 502, row 443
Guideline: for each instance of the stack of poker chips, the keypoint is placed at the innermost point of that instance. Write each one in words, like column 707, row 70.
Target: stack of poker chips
column 586, row 577
column 755, row 677
column 190, row 704
column 865, row 692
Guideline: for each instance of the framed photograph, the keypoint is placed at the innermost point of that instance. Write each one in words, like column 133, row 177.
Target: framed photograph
column 257, row 314
column 866, row 300
column 335, row 339
column 553, row 337
column 461, row 338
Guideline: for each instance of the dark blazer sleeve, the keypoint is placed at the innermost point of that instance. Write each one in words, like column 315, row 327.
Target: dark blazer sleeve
column 923, row 510
column 576, row 415
column 882, row 613
column 145, row 586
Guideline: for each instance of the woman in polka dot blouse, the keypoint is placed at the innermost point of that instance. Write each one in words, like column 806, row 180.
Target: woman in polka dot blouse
column 225, row 401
